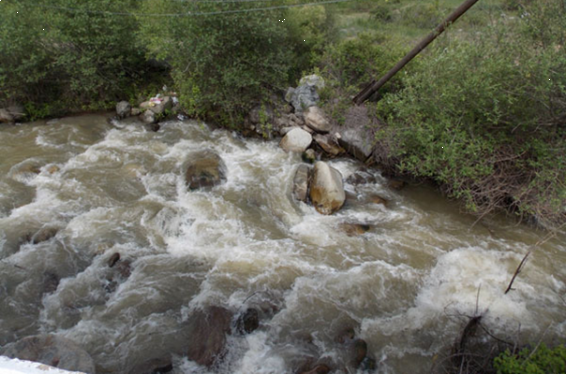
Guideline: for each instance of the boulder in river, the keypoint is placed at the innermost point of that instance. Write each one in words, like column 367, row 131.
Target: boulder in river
column 354, row 229
column 301, row 183
column 5, row 116
column 248, row 321
column 316, row 120
column 123, row 109
column 326, row 189
column 204, row 169
column 208, row 330
column 158, row 105
column 51, row 350
column 148, row 117
column 296, row 140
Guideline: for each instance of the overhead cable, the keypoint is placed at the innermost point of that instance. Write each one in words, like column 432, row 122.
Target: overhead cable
column 188, row 13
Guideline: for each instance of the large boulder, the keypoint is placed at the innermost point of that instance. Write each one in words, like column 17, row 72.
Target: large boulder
column 316, row 120
column 16, row 111
column 356, row 144
column 302, row 97
column 301, row 183
column 204, row 169
column 123, row 109
column 296, row 140
column 208, row 330
column 326, row 189
column 51, row 350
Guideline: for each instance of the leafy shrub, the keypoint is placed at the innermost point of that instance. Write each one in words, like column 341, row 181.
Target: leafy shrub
column 225, row 59
column 484, row 116
column 541, row 361
column 381, row 12
column 54, row 57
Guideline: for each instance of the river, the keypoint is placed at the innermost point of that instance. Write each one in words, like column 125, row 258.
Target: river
column 405, row 286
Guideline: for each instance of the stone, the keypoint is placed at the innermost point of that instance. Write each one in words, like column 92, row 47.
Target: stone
column 312, row 80
column 354, row 229
column 284, row 130
column 358, row 351
column 135, row 112
column 396, row 184
column 148, row 117
column 16, row 111
column 302, row 97
column 329, row 144
column 113, row 259
column 123, row 109
column 52, row 169
column 160, row 105
column 296, row 140
column 44, row 235
column 50, row 283
column 5, row 116
column 355, row 144
column 300, row 183
column 51, row 350
column 207, row 331
column 154, row 366
column 376, row 199
column 248, row 322
column 361, row 177
column 326, row 189
column 204, row 169
column 316, row 120
column 309, row 156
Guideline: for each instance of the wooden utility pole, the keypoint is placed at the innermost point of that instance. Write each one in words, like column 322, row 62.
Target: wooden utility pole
column 374, row 86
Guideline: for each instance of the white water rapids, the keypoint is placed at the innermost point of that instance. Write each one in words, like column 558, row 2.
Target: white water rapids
column 405, row 286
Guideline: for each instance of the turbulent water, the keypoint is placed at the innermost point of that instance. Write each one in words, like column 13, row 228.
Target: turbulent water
column 405, row 286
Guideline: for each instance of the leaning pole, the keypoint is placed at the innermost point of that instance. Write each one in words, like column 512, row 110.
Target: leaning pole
column 374, row 86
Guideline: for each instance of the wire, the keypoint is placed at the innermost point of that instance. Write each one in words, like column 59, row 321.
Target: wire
column 189, row 13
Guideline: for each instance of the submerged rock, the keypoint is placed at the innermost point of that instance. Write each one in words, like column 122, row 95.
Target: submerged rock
column 44, row 235
column 296, row 140
column 327, row 189
column 301, row 183
column 248, row 322
column 208, row 330
column 205, row 170
column 354, row 229
column 51, row 350
column 154, row 366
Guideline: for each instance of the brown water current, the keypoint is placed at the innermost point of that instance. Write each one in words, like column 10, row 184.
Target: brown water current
column 75, row 192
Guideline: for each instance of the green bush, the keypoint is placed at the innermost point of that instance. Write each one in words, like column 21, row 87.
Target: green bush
column 55, row 58
column 541, row 361
column 484, row 116
column 226, row 62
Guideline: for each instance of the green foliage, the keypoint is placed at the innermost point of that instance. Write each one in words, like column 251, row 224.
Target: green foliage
column 484, row 116
column 51, row 55
column 541, row 361
column 350, row 64
column 223, row 64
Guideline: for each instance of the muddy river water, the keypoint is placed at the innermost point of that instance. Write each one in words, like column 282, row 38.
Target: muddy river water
column 76, row 191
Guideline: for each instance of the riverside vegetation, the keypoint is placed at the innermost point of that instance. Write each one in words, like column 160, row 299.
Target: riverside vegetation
column 481, row 113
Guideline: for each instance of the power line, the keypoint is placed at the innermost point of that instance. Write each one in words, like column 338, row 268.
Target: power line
column 189, row 13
